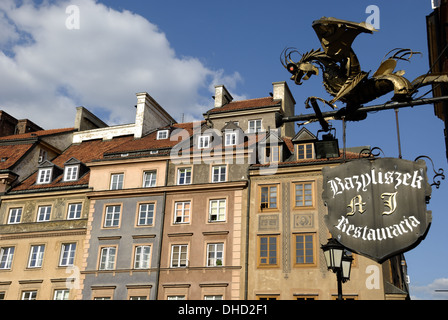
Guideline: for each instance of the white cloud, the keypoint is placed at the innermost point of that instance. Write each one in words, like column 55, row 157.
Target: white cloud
column 48, row 70
column 430, row 291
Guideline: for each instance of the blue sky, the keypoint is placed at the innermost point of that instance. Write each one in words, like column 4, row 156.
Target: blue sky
column 178, row 50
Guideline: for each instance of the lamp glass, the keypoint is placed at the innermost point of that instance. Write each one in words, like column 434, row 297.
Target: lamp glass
column 346, row 268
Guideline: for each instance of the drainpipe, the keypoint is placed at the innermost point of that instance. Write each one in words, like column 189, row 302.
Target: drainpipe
column 246, row 262
column 161, row 232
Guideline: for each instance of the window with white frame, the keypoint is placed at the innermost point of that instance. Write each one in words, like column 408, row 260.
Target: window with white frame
column 44, row 213
column 149, row 179
column 146, row 214
column 44, row 175
column 203, row 142
column 179, row 297
column 36, row 256
column 142, row 257
column 215, row 254
column 71, row 173
column 184, row 176
column 61, row 294
column 112, row 216
column 230, row 139
column 15, row 214
column 254, row 126
column 179, row 256
column 213, row 297
column 107, row 258
column 67, row 257
column 6, row 255
column 74, row 211
column 116, row 181
column 217, row 210
column 219, row 173
column 162, row 134
column 182, row 212
column 29, row 295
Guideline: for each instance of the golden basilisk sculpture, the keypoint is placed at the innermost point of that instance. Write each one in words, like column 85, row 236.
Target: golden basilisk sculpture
column 341, row 71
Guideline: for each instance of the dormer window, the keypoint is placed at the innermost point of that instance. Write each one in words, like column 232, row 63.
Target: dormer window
column 230, row 139
column 44, row 175
column 162, row 134
column 204, row 142
column 71, row 173
column 47, row 172
column 74, row 169
column 305, row 151
column 272, row 154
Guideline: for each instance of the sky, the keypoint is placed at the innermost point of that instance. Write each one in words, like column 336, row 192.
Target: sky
column 52, row 62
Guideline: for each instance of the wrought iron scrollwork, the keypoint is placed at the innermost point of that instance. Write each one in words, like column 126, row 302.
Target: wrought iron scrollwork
column 370, row 152
column 438, row 175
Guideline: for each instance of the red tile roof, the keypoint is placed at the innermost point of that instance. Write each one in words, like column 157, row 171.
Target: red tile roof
column 246, row 104
column 150, row 142
column 84, row 152
column 40, row 133
column 10, row 154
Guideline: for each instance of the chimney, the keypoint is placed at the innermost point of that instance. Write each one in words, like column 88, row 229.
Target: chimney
column 149, row 115
column 281, row 92
column 222, row 96
column 86, row 120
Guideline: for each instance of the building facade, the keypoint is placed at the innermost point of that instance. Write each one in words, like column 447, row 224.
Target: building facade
column 225, row 208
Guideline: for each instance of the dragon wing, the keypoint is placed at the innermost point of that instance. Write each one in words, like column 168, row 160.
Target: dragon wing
column 336, row 36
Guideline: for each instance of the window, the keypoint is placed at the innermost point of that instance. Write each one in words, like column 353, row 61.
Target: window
column 305, row 151
column 175, row 298
column 213, row 297
column 267, row 297
column 116, row 181
column 138, row 298
column 107, row 259
column 142, row 257
column 112, row 216
column 217, row 210
column 15, row 215
column 6, row 255
column 36, row 256
column 29, row 295
column 44, row 213
column 184, row 176
column 305, row 297
column 74, row 211
column 44, row 176
column 230, row 139
column 268, row 251
column 71, row 173
column 179, row 254
column 67, row 255
column 304, row 249
column 215, row 254
column 303, row 195
column 268, row 197
column 182, row 212
column 61, row 294
column 162, row 134
column 203, row 142
column 219, row 173
column 146, row 214
column 272, row 154
column 254, row 126
column 149, row 179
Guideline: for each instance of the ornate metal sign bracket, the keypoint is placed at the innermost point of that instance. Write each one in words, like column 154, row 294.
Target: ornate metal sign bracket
column 439, row 174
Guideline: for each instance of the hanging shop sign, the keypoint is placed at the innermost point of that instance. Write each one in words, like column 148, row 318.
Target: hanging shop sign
column 377, row 207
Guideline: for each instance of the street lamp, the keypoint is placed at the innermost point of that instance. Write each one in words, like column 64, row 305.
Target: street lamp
column 338, row 261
